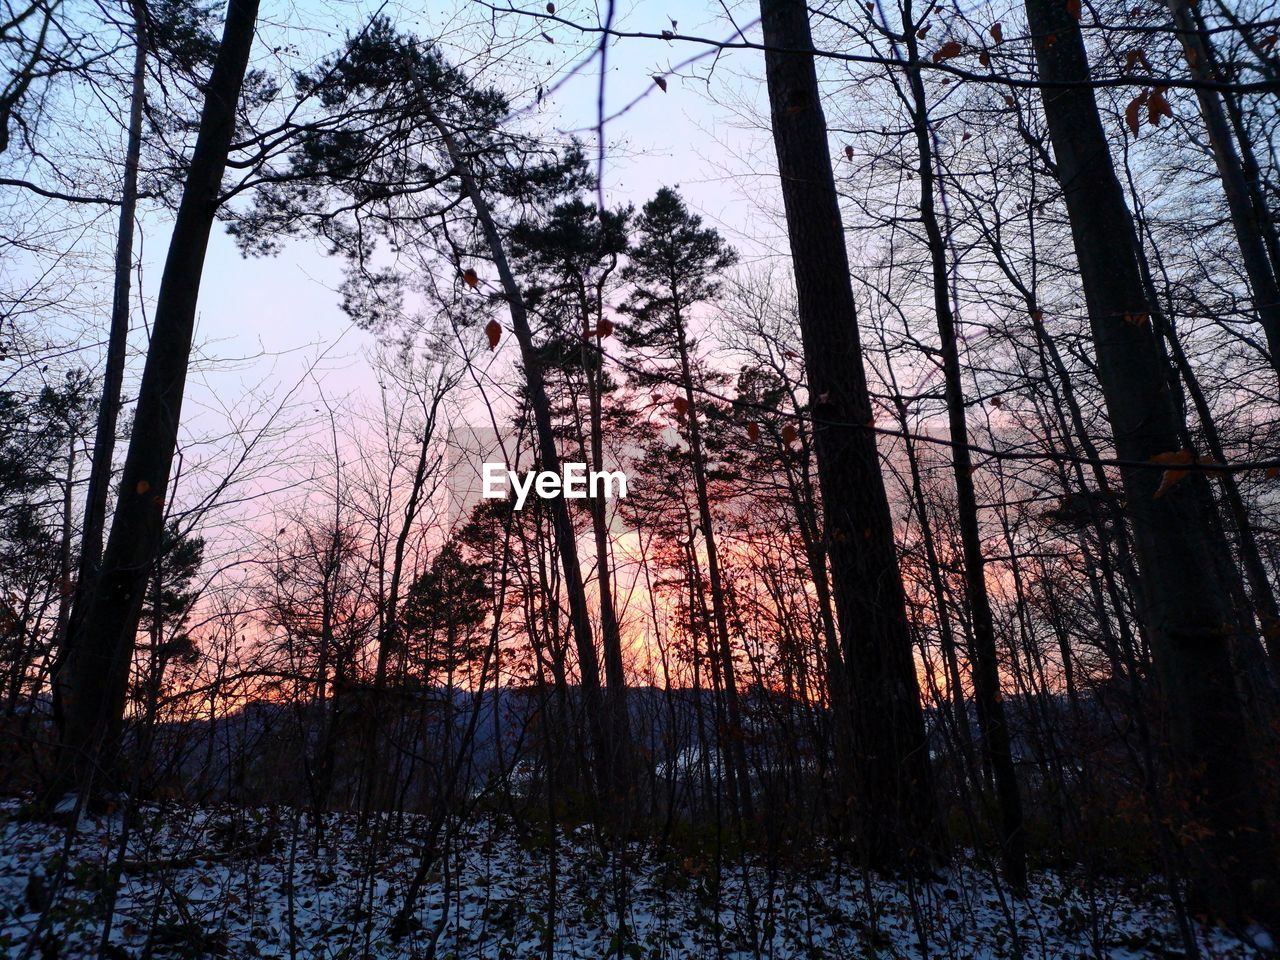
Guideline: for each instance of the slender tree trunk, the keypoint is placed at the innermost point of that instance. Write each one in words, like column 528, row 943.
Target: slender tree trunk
column 1190, row 621
column 98, row 668
column 610, row 633
column 898, row 811
column 104, row 439
column 1244, row 217
column 566, row 538
column 985, row 661
column 737, row 752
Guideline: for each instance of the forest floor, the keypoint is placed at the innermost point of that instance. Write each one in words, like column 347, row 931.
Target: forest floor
column 234, row 882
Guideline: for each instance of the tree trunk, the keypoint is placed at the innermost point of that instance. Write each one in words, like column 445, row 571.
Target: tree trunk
column 605, row 747
column 1244, row 219
column 1190, row 623
column 104, row 439
column 98, row 668
column 984, row 660
column 898, row 812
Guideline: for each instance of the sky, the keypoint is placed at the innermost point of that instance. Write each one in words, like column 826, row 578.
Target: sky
column 271, row 328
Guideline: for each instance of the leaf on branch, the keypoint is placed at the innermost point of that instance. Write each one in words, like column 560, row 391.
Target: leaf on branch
column 1272, row 472
column 1158, row 106
column 661, row 82
column 142, row 487
column 789, row 434
column 997, row 402
column 753, row 431
column 547, row 37
column 948, row 51
column 984, row 58
column 681, row 405
column 1008, row 100
column 1074, row 9
column 997, row 33
column 1134, row 57
column 848, row 152
column 470, row 278
column 604, row 327
column 1137, row 319
column 923, row 31
column 1267, row 42
column 493, row 330
column 667, row 35
column 1172, row 460
column 1133, row 112
column 551, row 8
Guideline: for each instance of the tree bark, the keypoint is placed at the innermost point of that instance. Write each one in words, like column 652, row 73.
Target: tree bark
column 897, row 809
column 98, row 667
column 1190, row 622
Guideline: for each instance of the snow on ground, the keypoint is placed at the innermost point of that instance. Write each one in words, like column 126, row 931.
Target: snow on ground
column 233, row 882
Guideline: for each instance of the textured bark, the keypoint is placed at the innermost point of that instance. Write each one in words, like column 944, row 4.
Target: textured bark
column 1190, row 623
column 897, row 808
column 97, row 670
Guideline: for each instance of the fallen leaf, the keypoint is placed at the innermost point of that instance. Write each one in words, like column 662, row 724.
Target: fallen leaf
column 661, row 82
column 947, row 51
column 493, row 330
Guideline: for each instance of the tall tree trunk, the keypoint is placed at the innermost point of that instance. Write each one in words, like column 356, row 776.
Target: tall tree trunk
column 610, row 632
column 739, row 772
column 1244, row 217
column 104, row 439
column 98, row 667
column 898, row 812
column 984, row 661
column 1191, row 623
column 606, row 748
